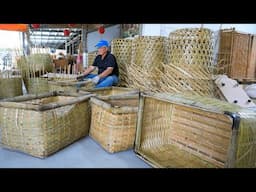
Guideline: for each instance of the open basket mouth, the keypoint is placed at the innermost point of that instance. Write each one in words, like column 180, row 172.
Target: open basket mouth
column 180, row 131
column 42, row 124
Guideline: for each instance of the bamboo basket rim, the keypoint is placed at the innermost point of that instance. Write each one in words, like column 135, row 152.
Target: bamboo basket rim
column 112, row 87
column 14, row 102
column 162, row 97
column 115, row 110
column 69, row 82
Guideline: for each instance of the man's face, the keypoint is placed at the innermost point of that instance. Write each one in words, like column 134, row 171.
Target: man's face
column 102, row 50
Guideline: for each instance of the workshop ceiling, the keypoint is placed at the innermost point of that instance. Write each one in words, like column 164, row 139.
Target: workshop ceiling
column 52, row 35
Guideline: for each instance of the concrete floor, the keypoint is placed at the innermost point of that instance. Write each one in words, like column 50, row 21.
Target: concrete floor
column 85, row 153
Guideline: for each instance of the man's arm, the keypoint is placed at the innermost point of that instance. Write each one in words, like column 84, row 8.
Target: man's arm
column 106, row 72
column 89, row 70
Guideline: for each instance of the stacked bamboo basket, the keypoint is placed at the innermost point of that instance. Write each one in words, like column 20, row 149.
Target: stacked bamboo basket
column 181, row 63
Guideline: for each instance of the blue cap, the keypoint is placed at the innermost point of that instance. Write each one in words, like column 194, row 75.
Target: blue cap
column 101, row 43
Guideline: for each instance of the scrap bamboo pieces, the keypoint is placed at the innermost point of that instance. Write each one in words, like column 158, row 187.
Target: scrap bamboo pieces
column 237, row 54
column 41, row 125
column 174, row 130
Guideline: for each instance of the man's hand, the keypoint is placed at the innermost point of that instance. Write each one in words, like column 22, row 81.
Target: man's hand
column 95, row 79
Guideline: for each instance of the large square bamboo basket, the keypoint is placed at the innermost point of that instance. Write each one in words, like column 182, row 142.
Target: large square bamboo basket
column 113, row 122
column 40, row 125
column 106, row 92
column 194, row 132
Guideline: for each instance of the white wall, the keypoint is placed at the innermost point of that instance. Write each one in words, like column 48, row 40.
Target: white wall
column 110, row 33
column 165, row 29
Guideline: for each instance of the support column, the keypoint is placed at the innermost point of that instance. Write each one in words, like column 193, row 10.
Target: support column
column 84, row 43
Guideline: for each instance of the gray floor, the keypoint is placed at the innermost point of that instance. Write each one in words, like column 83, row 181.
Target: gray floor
column 85, row 153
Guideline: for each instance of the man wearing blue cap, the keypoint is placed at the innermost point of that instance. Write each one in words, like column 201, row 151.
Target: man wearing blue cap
column 107, row 67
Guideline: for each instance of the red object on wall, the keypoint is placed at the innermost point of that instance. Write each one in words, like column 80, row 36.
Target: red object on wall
column 101, row 30
column 35, row 26
column 66, row 32
column 71, row 25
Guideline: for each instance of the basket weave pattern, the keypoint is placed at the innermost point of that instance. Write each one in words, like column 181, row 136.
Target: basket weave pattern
column 179, row 136
column 10, row 87
column 114, row 131
column 42, row 133
column 122, row 49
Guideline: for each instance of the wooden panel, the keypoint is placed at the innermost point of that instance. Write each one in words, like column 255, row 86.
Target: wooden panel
column 240, row 55
column 252, row 58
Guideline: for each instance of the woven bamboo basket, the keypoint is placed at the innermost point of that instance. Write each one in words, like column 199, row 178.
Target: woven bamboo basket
column 35, row 65
column 190, row 62
column 106, row 92
column 187, row 79
column 191, row 46
column 10, row 87
column 122, row 49
column 236, row 57
column 113, row 122
column 41, row 125
column 194, row 132
column 148, row 52
column 90, row 59
column 36, row 85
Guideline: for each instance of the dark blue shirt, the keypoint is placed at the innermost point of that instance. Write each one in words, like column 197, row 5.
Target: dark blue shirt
column 108, row 61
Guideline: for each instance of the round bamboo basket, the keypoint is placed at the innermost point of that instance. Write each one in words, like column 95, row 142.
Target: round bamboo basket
column 148, row 51
column 191, row 46
column 190, row 62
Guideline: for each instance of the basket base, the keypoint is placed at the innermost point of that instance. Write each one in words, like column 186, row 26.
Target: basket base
column 172, row 157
